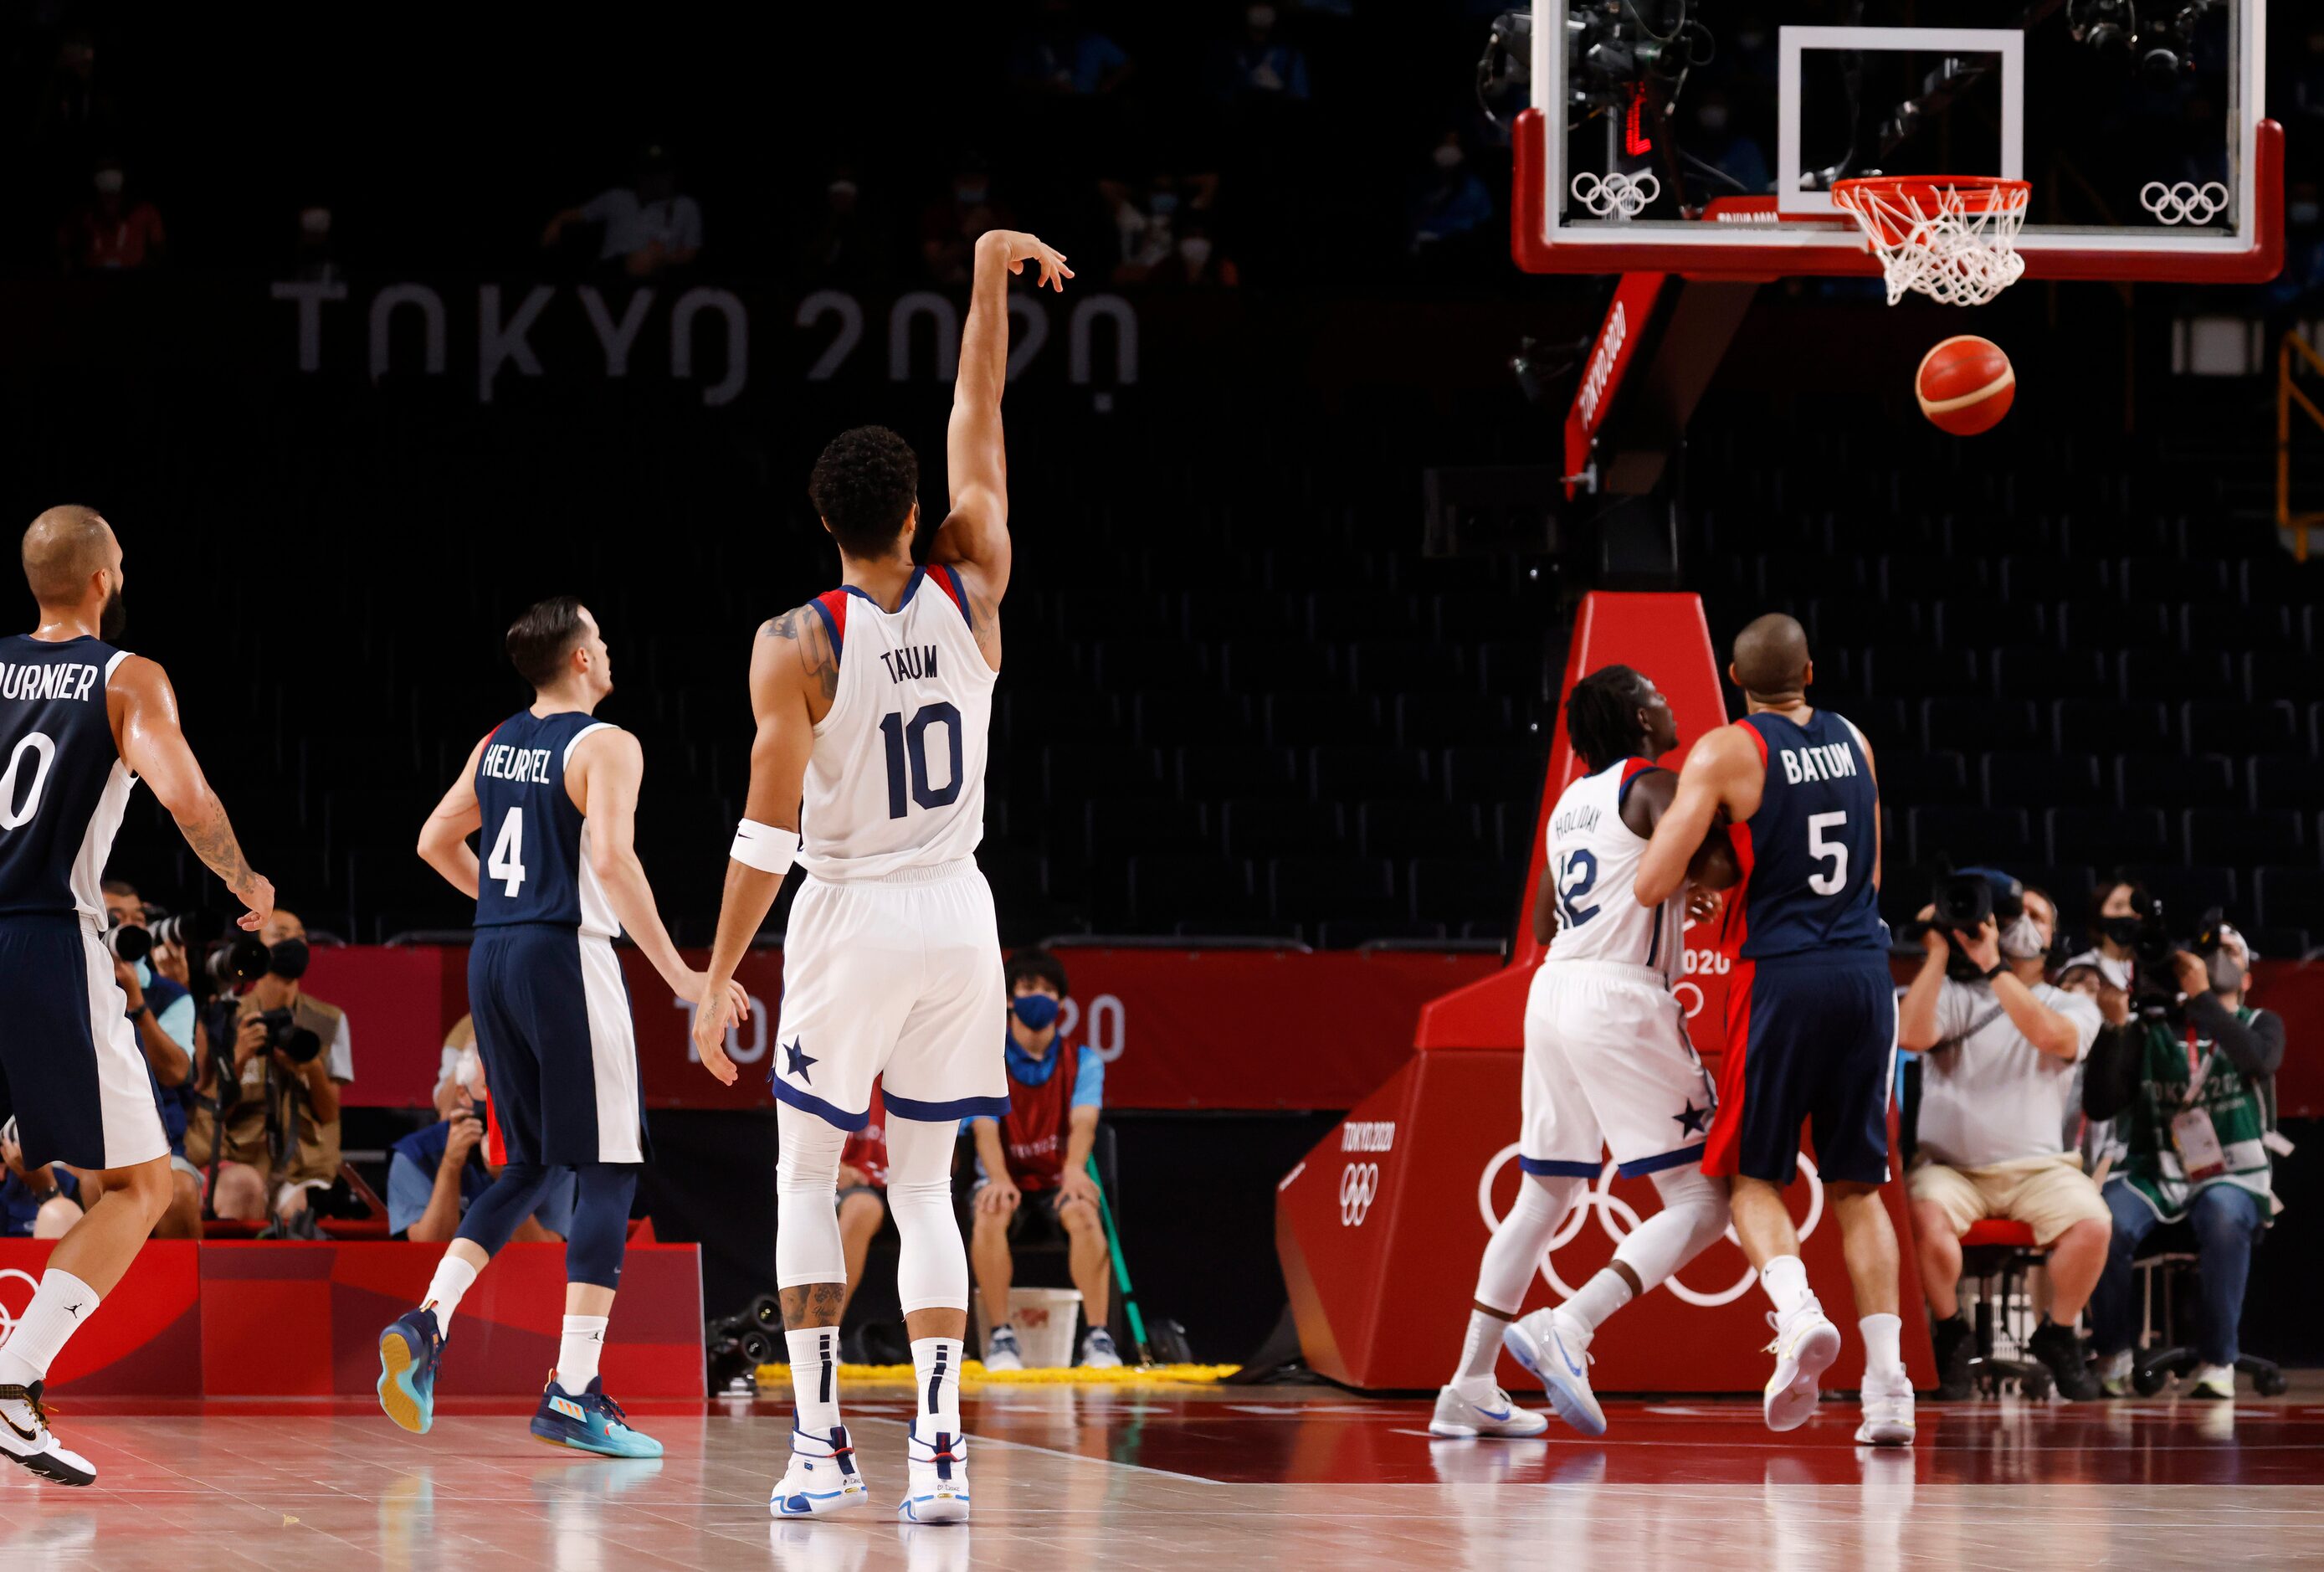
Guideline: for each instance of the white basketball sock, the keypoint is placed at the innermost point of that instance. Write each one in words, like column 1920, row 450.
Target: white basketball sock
column 1511, row 1258
column 1601, row 1296
column 1480, row 1347
column 936, row 1381
column 1785, row 1278
column 1883, row 1353
column 61, row 1307
column 454, row 1278
column 815, row 1377
column 578, row 1351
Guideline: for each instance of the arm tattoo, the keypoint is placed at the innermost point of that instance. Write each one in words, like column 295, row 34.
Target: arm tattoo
column 213, row 840
column 817, row 1304
column 804, row 629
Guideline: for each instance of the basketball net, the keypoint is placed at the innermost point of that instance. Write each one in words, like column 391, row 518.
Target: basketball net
column 1953, row 239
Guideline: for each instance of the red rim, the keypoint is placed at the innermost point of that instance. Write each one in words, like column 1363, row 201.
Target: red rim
column 1978, row 193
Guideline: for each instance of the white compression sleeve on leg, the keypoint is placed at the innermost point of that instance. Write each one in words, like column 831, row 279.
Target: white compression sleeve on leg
column 1693, row 1214
column 808, row 1248
column 932, row 1269
column 1517, row 1245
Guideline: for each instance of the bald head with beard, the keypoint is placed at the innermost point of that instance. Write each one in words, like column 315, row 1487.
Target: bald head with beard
column 1771, row 660
column 65, row 548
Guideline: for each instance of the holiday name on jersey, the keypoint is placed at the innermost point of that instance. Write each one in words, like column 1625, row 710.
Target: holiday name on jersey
column 504, row 761
column 1583, row 818
column 31, row 683
column 1823, row 762
column 911, row 665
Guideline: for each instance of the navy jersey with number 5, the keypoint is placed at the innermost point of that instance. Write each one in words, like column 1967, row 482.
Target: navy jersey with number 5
column 1807, row 855
column 535, row 842
column 62, row 784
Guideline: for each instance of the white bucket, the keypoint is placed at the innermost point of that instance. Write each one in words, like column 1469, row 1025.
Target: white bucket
column 1045, row 1320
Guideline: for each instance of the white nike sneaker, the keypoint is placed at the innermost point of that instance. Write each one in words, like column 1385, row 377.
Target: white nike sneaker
column 822, row 1478
column 1555, row 1347
column 1486, row 1411
column 939, row 1491
column 1805, row 1345
column 2214, row 1382
column 1888, row 1410
column 25, row 1437
column 1001, row 1350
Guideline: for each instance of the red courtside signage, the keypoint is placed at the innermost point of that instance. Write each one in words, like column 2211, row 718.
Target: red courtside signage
column 1610, row 359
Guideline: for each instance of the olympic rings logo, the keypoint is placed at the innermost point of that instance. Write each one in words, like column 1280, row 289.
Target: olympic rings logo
column 1358, row 1184
column 1611, row 1209
column 2185, row 202
column 1627, row 195
column 8, row 1317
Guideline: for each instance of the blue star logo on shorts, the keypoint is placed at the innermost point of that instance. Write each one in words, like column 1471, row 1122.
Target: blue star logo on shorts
column 1693, row 1119
column 799, row 1061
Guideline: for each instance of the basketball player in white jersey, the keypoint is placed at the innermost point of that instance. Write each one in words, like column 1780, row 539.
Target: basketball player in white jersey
column 1607, row 1062
column 868, row 771
column 81, row 722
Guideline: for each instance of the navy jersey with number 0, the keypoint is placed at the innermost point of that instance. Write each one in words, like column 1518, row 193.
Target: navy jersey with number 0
column 62, row 783
column 535, row 843
column 1807, row 855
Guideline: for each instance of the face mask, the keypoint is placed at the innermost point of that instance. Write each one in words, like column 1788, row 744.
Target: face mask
column 1196, row 249
column 2303, row 213
column 1164, row 204
column 2227, row 978
column 113, row 618
column 969, row 196
column 108, row 182
column 289, row 959
column 1038, row 1012
column 2022, row 939
column 1448, row 157
column 2121, row 930
column 469, row 1071
column 315, row 221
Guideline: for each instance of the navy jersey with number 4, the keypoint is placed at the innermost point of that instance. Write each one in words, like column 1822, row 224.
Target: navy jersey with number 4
column 1807, row 855
column 535, row 842
column 62, row 784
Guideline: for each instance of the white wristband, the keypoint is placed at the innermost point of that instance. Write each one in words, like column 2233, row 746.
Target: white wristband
column 765, row 847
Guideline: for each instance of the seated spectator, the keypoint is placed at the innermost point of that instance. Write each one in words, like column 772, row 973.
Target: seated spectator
column 1261, row 67
column 862, row 1194
column 2113, row 925
column 949, row 226
column 1999, row 1049
column 435, row 1172
column 1063, row 54
column 312, row 259
column 1040, row 1162
column 647, row 227
column 2186, row 1085
column 41, row 1204
column 458, row 1044
column 112, row 230
column 848, row 245
column 1194, row 262
column 162, row 1009
column 289, row 1057
column 1452, row 204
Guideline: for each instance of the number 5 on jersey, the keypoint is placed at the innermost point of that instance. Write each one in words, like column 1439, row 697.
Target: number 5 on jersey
column 1821, row 850
column 506, row 862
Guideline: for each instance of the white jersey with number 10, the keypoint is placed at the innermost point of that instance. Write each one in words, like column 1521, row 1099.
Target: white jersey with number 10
column 896, row 777
column 1593, row 865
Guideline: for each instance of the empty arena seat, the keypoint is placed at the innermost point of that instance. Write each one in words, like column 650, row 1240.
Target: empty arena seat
column 2269, row 674
column 2187, row 892
column 2288, row 897
column 1164, row 891
column 1813, row 577
column 2022, row 671
column 2071, row 886
column 1969, row 836
column 1073, row 773
column 1405, row 830
column 1405, row 666
column 1177, row 719
column 1438, row 720
column 1152, row 666
column 1307, row 720
column 1465, row 892
column 2227, row 728
column 1280, row 666
column 2171, row 578
column 1115, row 828
column 2110, row 624
column 2284, row 780
column 1932, row 577
column 2106, row 836
column 2205, row 625
column 1207, row 617
column 1354, row 774
column 2019, row 779
column 1263, row 827
column 1310, row 891
column 2046, row 577
column 2173, row 781
column 1970, row 725
column 1488, row 774
column 2244, row 835
column 2107, row 727
column 1127, row 614
column 1914, row 672
column 1215, row 775
column 2169, row 675
column 1340, row 614
column 1911, row 778
column 1978, row 625
column 1886, row 722
column 1854, row 620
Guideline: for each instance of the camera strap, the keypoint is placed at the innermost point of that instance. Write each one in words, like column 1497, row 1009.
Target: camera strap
column 1971, row 1029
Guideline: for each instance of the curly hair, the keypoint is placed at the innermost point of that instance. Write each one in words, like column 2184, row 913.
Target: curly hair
column 863, row 486
column 1601, row 716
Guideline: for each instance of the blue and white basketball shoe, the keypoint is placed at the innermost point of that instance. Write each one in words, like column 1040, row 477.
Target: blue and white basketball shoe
column 408, row 1351
column 1555, row 1347
column 1466, row 1409
column 589, row 1422
column 822, row 1478
column 938, row 1491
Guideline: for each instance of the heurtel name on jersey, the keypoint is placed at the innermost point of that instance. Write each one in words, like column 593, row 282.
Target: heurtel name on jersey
column 524, row 766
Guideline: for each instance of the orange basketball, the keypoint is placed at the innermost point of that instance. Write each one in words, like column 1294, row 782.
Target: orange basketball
column 1965, row 385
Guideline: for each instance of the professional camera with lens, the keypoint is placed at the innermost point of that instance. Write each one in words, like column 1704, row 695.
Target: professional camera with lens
column 242, row 958
column 1963, row 901
column 128, row 941
column 285, row 1036
column 2154, row 980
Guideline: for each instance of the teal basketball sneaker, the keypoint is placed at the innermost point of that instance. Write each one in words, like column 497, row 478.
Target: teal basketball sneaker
column 589, row 1422
column 408, row 1351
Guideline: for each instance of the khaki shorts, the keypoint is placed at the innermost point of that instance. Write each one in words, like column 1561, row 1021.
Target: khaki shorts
column 2047, row 1194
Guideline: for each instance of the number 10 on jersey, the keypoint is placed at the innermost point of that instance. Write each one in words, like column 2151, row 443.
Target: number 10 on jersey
column 907, row 757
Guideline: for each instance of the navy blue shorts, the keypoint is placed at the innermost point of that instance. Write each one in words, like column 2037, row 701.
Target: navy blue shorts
column 71, row 1074
column 1811, row 1040
column 553, row 1018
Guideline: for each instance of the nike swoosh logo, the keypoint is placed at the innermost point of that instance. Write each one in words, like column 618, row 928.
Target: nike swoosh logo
column 31, row 1436
column 1496, row 1418
column 1562, row 1354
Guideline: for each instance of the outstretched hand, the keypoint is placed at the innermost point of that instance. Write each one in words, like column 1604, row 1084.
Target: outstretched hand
column 1020, row 248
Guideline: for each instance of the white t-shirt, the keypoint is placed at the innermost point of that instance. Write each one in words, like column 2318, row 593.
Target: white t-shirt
column 1995, row 1097
column 632, row 226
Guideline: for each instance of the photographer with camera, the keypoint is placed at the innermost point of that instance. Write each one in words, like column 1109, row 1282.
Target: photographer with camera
column 2115, row 907
column 272, row 1061
column 161, row 1012
column 434, row 1173
column 2184, row 1065
column 1998, row 1049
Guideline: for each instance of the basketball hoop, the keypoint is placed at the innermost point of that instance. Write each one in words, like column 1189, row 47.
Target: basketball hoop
column 1952, row 237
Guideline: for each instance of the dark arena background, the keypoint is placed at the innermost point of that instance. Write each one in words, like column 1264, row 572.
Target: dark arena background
column 1307, row 559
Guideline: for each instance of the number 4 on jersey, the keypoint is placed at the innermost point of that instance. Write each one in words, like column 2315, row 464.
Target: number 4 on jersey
column 506, row 862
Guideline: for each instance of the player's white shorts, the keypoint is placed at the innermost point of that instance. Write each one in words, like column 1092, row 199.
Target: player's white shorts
column 898, row 977
column 1607, row 1061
